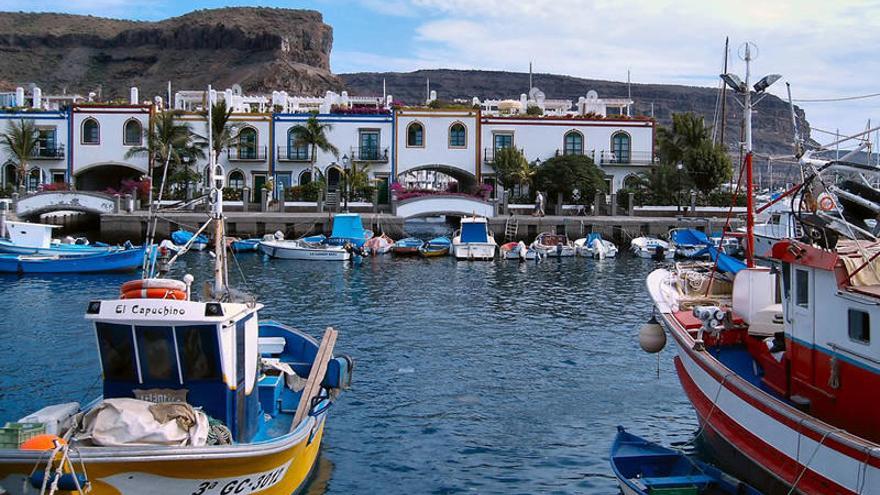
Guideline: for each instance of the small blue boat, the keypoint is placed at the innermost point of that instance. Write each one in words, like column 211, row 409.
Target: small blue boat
column 644, row 468
column 244, row 245
column 348, row 229
column 124, row 260
column 407, row 247
column 438, row 246
column 181, row 237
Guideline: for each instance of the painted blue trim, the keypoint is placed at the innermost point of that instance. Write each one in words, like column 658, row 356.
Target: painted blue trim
column 274, row 145
column 842, row 355
column 393, row 152
column 35, row 116
column 69, row 145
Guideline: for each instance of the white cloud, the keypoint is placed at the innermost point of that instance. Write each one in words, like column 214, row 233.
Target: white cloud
column 823, row 48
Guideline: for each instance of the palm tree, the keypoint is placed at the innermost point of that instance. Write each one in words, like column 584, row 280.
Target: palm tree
column 169, row 142
column 314, row 135
column 20, row 141
column 223, row 133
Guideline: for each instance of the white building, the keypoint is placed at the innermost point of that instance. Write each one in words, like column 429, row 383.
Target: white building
column 87, row 144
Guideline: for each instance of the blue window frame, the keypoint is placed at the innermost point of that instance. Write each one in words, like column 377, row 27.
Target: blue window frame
column 502, row 141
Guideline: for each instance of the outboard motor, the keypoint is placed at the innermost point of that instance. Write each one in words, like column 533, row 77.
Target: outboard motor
column 659, row 253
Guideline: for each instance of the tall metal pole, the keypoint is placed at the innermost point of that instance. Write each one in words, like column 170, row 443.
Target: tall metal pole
column 217, row 207
column 750, row 198
column 724, row 93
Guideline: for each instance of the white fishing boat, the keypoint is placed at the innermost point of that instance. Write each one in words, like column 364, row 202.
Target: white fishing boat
column 35, row 239
column 781, row 223
column 198, row 395
column 474, row 241
column 301, row 249
column 594, row 246
column 553, row 245
column 652, row 248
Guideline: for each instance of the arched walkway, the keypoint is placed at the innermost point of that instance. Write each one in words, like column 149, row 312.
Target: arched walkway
column 105, row 176
column 443, row 204
column 465, row 179
column 34, row 205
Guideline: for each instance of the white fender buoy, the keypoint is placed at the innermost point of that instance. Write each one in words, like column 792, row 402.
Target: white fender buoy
column 652, row 338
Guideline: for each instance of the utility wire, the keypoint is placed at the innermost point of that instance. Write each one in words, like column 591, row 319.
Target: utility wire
column 842, row 98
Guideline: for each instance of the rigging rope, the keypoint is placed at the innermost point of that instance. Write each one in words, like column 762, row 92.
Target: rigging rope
column 840, row 98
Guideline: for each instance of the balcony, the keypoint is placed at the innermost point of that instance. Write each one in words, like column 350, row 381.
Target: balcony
column 637, row 158
column 588, row 153
column 56, row 153
column 292, row 154
column 489, row 154
column 369, row 154
column 247, row 154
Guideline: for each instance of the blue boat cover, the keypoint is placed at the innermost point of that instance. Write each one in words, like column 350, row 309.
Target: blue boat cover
column 593, row 236
column 181, row 237
column 690, row 237
column 474, row 232
column 347, row 226
column 439, row 241
column 409, row 242
column 724, row 262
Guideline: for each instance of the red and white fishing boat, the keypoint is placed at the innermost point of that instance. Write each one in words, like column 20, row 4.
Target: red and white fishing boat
column 780, row 363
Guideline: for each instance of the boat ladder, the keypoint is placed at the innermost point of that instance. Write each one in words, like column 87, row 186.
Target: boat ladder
column 510, row 228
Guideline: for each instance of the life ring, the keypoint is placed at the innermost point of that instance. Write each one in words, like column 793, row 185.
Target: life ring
column 175, row 294
column 154, row 288
column 826, row 203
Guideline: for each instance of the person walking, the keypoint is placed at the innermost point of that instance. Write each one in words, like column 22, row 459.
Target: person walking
column 539, row 205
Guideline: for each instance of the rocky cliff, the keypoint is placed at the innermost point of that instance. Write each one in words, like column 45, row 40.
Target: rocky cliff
column 262, row 49
column 772, row 124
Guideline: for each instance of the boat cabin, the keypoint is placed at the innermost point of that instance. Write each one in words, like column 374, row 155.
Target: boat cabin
column 474, row 230
column 36, row 235
column 831, row 360
column 205, row 354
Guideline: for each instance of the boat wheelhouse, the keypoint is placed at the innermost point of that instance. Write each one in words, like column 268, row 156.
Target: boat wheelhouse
column 348, row 228
column 474, row 241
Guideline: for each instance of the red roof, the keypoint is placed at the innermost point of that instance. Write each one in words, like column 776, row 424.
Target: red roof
column 797, row 253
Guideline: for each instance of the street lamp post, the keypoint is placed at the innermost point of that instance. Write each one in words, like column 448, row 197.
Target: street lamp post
column 345, row 185
column 678, row 167
column 742, row 88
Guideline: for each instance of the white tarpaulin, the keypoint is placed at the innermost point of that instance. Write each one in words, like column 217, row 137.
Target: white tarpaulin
column 118, row 422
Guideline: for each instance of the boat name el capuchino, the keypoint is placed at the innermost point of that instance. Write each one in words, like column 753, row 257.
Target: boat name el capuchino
column 137, row 309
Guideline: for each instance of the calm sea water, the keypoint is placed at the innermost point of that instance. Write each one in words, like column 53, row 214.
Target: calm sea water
column 470, row 377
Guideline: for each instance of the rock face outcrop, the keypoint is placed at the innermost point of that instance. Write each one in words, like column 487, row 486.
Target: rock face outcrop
column 262, row 49
column 772, row 123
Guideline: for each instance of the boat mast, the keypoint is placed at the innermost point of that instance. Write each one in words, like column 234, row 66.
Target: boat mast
column 750, row 194
column 217, row 205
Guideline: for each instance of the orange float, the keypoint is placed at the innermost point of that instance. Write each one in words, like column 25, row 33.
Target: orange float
column 42, row 442
column 154, row 288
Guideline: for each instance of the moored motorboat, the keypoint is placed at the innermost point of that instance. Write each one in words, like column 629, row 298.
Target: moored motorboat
column 594, row 246
column 652, row 248
column 553, row 245
column 244, row 245
column 474, row 241
column 300, row 249
column 199, row 396
column 436, row 247
column 348, row 229
column 407, row 247
column 645, row 468
column 513, row 250
column 378, row 245
column 36, row 239
column 689, row 243
column 183, row 237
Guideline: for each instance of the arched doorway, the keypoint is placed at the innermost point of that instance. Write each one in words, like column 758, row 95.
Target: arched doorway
column 10, row 175
column 305, row 177
column 334, row 176
column 104, row 177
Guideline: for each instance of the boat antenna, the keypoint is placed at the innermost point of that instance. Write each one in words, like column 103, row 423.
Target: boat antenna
column 217, row 176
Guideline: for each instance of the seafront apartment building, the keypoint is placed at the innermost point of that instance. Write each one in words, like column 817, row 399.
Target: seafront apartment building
column 86, row 144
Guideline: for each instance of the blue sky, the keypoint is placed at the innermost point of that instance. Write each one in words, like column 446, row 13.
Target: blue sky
column 825, row 49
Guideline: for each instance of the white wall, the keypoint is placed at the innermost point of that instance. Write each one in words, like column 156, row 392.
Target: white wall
column 46, row 165
column 436, row 150
column 110, row 149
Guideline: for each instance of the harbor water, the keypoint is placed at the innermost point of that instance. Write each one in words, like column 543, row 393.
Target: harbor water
column 479, row 377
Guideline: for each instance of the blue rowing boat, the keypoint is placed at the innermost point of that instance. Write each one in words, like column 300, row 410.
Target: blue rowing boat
column 181, row 237
column 644, row 468
column 245, row 245
column 124, row 260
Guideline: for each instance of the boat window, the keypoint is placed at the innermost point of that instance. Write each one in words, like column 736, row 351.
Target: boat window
column 156, row 351
column 117, row 352
column 786, row 281
column 802, row 288
column 197, row 345
column 859, row 326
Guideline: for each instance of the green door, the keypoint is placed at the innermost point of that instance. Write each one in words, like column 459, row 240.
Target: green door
column 259, row 182
column 383, row 190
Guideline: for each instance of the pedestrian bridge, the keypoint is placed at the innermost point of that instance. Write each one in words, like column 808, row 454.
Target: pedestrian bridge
column 444, row 204
column 36, row 204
